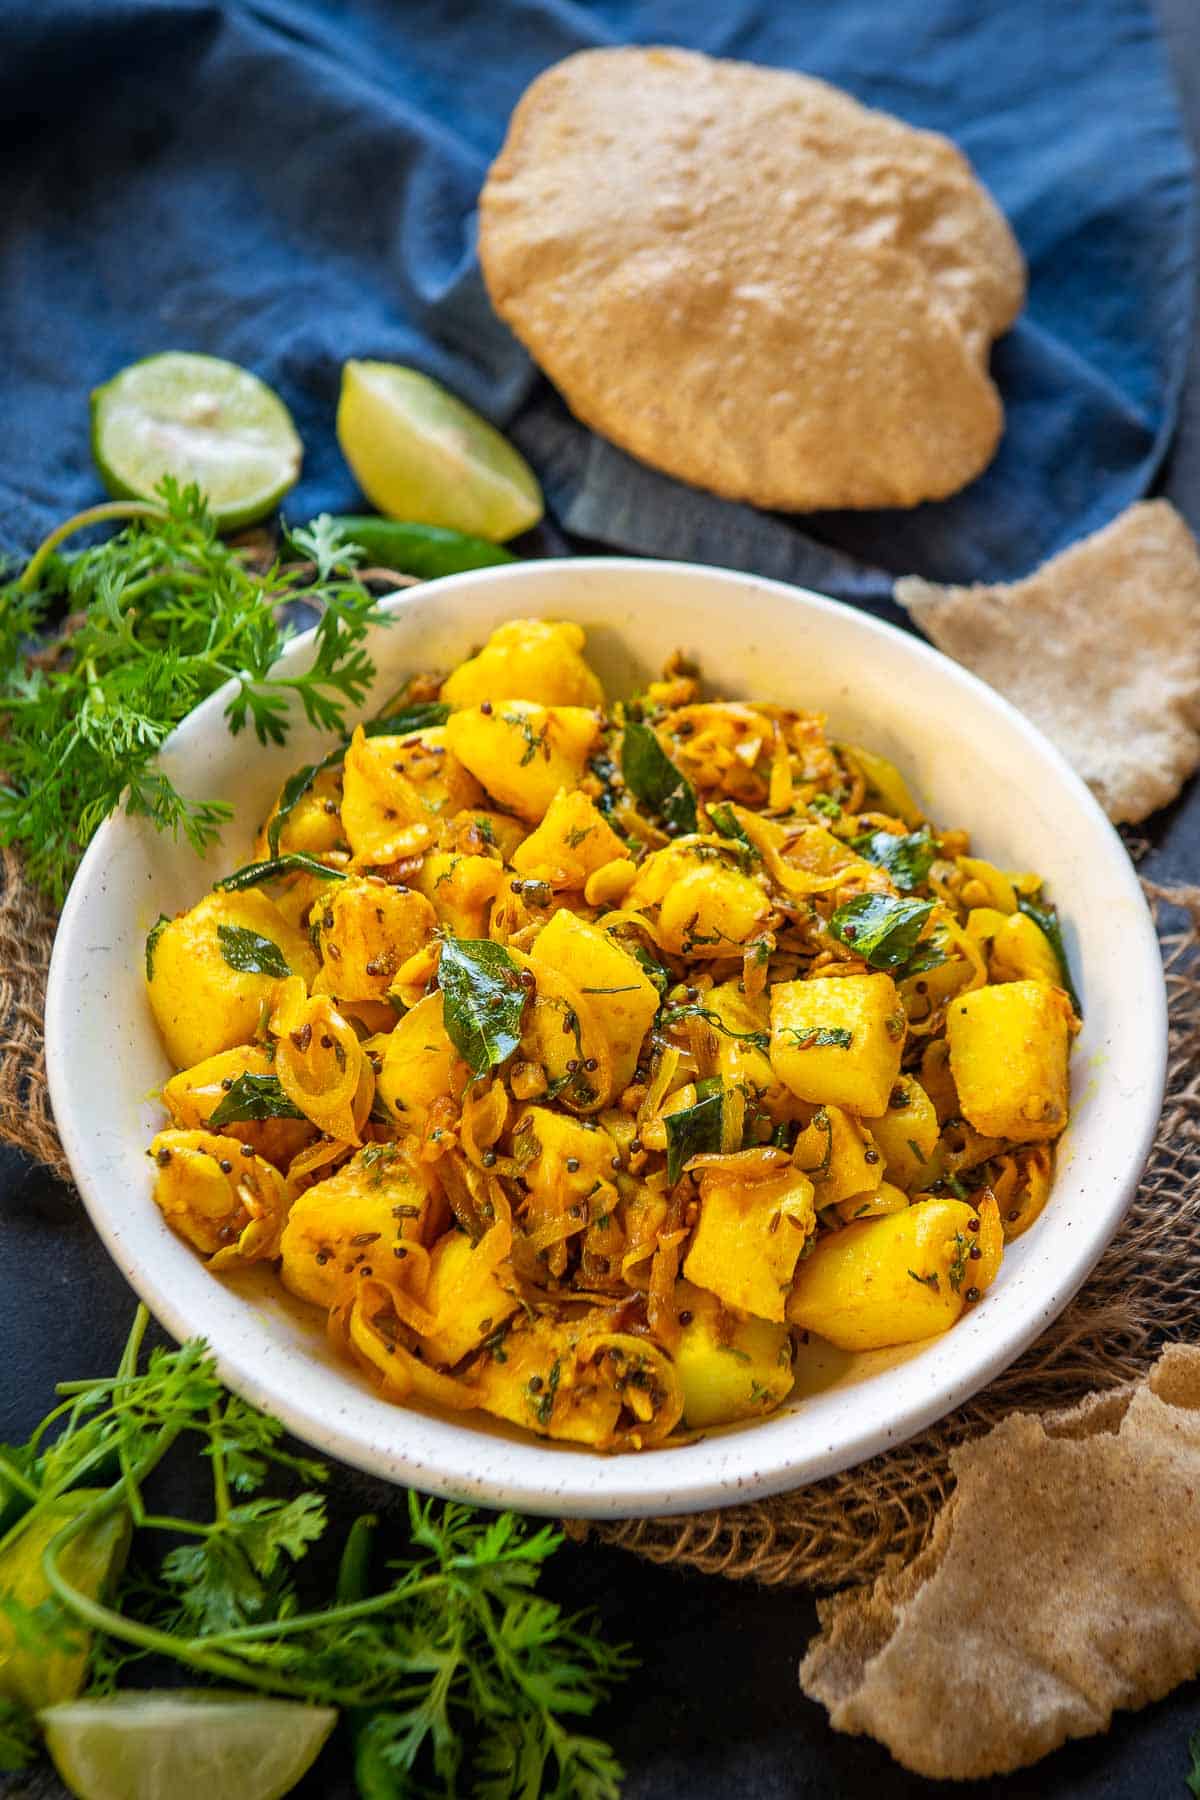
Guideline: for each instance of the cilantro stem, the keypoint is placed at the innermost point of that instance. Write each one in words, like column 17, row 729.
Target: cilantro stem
column 217, row 1457
column 92, row 515
column 15, row 1479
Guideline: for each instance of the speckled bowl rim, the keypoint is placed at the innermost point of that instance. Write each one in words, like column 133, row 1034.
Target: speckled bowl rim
column 333, row 1410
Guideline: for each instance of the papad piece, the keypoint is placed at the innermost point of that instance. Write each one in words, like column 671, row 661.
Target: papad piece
column 746, row 278
column 1061, row 1583
column 1100, row 647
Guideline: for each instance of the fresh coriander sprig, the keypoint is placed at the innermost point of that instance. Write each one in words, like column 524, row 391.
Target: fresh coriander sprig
column 453, row 1666
column 154, row 620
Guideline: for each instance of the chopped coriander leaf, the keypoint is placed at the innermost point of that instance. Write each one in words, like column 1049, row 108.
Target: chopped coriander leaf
column 883, row 931
column 907, row 859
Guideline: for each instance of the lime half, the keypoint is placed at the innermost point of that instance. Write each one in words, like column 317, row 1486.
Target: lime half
column 419, row 454
column 184, row 1744
column 199, row 419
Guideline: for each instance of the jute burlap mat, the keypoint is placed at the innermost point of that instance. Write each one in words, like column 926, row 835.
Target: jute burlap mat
column 1144, row 1292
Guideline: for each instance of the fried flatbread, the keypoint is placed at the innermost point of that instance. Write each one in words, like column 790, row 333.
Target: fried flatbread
column 747, row 279
column 1100, row 647
column 1061, row 1583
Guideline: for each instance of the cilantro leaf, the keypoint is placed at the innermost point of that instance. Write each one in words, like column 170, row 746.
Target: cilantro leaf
column 907, row 859
column 825, row 1037
column 19, row 1738
column 653, row 779
column 152, row 936
column 883, row 931
column 253, row 1096
column 483, row 1001
column 250, row 953
column 761, row 1040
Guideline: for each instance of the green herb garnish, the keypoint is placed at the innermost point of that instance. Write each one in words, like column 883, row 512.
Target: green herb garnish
column 929, row 1281
column 827, row 1037
column 696, row 1131
column 1047, row 918
column 883, row 931
column 907, row 859
column 253, row 1097
column 761, row 1040
column 292, row 862
column 724, row 822
column 156, row 619
column 250, row 953
column 483, row 1001
column 152, row 936
column 653, row 779
column 459, row 1676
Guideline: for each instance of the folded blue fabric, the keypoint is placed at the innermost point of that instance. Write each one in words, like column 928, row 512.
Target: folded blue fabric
column 292, row 182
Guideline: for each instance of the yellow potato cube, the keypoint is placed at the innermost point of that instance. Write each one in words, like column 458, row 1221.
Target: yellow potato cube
column 365, row 929
column 743, row 1063
column 395, row 789
column 706, row 908
column 729, row 1367
column 546, row 1144
column 460, row 889
column 748, row 1238
column 907, row 1133
column 524, row 753
column 202, row 1000
column 416, row 1064
column 527, row 659
column 893, row 1280
column 314, row 824
column 840, row 1155
column 192, row 1097
column 360, row 1218
column 229, row 1206
column 1008, row 1056
column 839, row 1038
column 622, row 998
column 467, row 1308
column 572, row 841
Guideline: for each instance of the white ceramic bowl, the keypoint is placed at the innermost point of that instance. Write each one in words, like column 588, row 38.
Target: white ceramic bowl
column 972, row 760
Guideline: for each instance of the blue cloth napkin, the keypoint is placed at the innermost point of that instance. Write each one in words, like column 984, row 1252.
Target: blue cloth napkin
column 294, row 182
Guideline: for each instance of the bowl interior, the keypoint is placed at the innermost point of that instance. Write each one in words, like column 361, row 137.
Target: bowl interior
column 971, row 760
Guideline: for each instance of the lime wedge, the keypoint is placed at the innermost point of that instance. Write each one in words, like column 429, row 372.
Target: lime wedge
column 418, row 453
column 199, row 419
column 184, row 1744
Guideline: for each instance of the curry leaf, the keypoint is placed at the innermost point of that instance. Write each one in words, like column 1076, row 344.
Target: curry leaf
column 152, row 936
column 652, row 778
column 1046, row 917
column 483, row 1001
column 253, row 1097
column 695, row 1131
column 883, row 931
column 250, row 953
column 907, row 859
column 293, row 862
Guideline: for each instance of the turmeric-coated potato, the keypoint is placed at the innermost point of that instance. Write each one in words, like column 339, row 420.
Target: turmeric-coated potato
column 361, row 1218
column 365, row 929
column 907, row 1133
column 416, row 1064
column 524, row 753
column 562, row 1160
column 467, row 1306
column 620, row 995
column 460, row 889
column 729, row 1366
column 1020, row 949
column 193, row 1096
column 839, row 1038
column 572, row 841
column 395, row 789
column 887, row 1281
column 741, row 1061
column 210, row 970
column 707, row 908
column 527, row 659
column 748, row 1237
column 840, row 1155
column 314, row 824
column 1008, row 1055
column 226, row 1202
